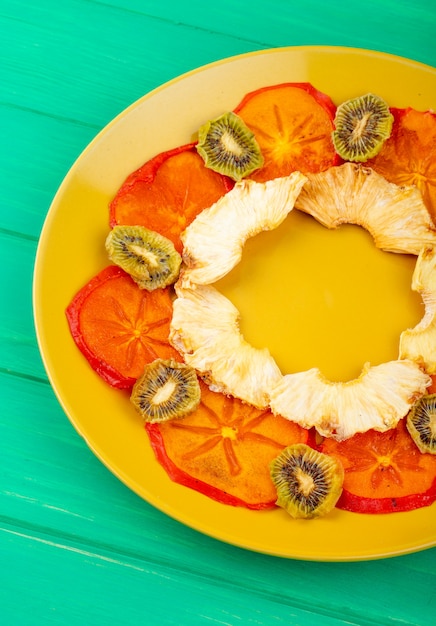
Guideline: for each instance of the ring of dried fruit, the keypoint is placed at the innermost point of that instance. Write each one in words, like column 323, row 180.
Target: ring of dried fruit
column 119, row 328
column 204, row 327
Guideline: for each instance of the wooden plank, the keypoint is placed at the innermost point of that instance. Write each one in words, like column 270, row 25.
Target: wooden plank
column 112, row 67
column 389, row 26
column 19, row 353
column 41, row 149
column 85, row 587
column 101, row 77
column 76, row 545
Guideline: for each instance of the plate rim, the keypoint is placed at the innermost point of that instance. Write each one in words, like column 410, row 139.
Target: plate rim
column 38, row 263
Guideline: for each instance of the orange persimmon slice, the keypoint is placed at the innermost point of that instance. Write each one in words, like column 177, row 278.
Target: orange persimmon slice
column 224, row 448
column 432, row 388
column 384, row 472
column 167, row 193
column 292, row 123
column 408, row 157
column 119, row 327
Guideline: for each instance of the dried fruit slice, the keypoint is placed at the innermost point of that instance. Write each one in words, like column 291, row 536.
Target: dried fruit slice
column 308, row 482
column 166, row 390
column 432, row 387
column 421, row 423
column 408, row 157
column 118, row 327
column 419, row 343
column 167, row 192
column 378, row 399
column 352, row 193
column 292, row 123
column 362, row 125
column 205, row 330
column 229, row 147
column 214, row 241
column 224, row 448
column 148, row 257
column 384, row 472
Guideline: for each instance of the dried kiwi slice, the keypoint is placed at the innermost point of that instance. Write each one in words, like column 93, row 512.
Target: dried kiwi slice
column 421, row 423
column 166, row 389
column 228, row 146
column 308, row 482
column 362, row 125
column 149, row 257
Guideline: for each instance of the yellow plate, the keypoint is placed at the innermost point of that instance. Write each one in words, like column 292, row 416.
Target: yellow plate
column 71, row 251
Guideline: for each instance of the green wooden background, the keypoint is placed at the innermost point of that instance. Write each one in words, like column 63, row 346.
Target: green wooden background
column 76, row 546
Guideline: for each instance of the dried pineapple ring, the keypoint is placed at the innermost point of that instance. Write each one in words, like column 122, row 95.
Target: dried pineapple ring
column 212, row 244
column 396, row 217
column 205, row 324
column 419, row 343
column 205, row 330
column 377, row 399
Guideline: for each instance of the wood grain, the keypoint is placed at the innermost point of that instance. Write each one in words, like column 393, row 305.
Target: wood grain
column 76, row 545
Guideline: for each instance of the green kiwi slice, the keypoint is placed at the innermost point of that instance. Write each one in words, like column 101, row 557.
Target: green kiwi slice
column 150, row 258
column 421, row 423
column 362, row 125
column 229, row 147
column 308, row 482
column 166, row 390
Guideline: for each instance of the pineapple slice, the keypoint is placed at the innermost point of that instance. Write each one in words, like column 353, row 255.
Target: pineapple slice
column 396, row 217
column 378, row 399
column 419, row 343
column 213, row 242
column 205, row 330
column 205, row 324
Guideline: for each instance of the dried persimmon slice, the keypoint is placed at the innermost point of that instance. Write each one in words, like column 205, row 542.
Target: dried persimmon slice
column 292, row 123
column 224, row 448
column 119, row 327
column 384, row 472
column 408, row 157
column 432, row 387
column 167, row 193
